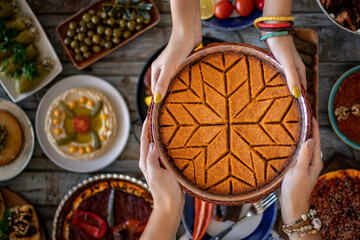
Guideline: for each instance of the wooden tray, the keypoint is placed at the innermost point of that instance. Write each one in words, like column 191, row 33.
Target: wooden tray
column 13, row 199
column 311, row 36
column 63, row 27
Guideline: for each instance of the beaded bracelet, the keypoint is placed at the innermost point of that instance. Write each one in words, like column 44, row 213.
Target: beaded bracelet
column 275, row 25
column 273, row 18
column 275, row 34
column 290, row 29
column 306, row 225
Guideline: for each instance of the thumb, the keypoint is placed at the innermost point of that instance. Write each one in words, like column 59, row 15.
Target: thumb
column 153, row 158
column 292, row 79
column 306, row 154
column 162, row 84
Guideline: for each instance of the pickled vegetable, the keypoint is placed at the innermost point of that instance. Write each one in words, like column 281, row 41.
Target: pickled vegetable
column 66, row 140
column 7, row 8
column 25, row 84
column 67, row 110
column 96, row 139
column 19, row 23
column 12, row 64
column 97, row 108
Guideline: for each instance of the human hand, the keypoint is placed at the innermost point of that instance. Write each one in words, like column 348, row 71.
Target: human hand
column 299, row 181
column 284, row 50
column 164, row 67
column 165, row 189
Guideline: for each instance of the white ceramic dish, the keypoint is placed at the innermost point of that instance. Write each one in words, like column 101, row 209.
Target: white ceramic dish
column 45, row 49
column 121, row 112
column 244, row 229
column 335, row 22
column 12, row 169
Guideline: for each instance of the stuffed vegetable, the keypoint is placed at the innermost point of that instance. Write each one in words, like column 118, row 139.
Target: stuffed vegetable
column 8, row 8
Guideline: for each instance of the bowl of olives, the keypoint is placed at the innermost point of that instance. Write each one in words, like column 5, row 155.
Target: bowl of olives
column 104, row 26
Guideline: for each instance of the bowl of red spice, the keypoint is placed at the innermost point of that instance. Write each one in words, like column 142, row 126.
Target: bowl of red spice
column 344, row 107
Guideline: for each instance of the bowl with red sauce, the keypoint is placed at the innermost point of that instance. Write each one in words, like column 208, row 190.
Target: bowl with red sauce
column 344, row 107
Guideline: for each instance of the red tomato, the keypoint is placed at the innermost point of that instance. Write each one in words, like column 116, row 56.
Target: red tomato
column 81, row 124
column 244, row 7
column 223, row 9
column 260, row 4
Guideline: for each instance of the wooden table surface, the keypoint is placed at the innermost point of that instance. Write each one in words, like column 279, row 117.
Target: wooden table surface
column 44, row 184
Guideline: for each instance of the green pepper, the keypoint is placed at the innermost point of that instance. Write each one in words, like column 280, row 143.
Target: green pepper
column 96, row 139
column 67, row 110
column 12, row 64
column 97, row 108
column 7, row 8
column 19, row 23
column 24, row 84
column 66, row 139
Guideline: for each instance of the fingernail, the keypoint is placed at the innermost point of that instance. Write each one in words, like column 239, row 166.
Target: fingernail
column 157, row 98
column 311, row 143
column 151, row 147
column 296, row 92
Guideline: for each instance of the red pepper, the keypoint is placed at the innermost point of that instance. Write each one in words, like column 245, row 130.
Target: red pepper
column 132, row 226
column 203, row 213
column 96, row 228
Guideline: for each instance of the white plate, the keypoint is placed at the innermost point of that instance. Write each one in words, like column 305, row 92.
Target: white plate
column 244, row 229
column 45, row 49
column 12, row 169
column 121, row 112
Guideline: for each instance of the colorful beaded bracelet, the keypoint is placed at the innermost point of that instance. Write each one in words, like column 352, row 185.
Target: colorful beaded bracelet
column 273, row 18
column 275, row 25
column 275, row 34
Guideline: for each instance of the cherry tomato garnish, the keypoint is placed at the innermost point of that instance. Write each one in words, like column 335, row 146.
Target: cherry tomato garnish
column 244, row 7
column 223, row 9
column 81, row 124
column 260, row 4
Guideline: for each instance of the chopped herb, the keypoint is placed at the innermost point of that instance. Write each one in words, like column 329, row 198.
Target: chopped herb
column 4, row 225
column 29, row 70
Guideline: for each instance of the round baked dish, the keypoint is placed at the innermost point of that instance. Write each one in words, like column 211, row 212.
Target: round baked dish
column 115, row 198
column 228, row 127
column 336, row 196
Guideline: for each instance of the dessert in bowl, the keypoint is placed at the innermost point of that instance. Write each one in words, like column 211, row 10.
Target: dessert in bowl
column 228, row 127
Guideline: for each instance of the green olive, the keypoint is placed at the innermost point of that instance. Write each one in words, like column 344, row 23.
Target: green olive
column 96, row 39
column 147, row 20
column 86, row 17
column 126, row 34
column 73, row 25
column 131, row 25
column 82, row 23
column 122, row 23
column 124, row 17
column 139, row 27
column 102, row 42
column 100, row 30
column 67, row 41
column 103, row 15
column 88, row 41
column 81, row 37
column 133, row 15
column 77, row 50
column 119, row 15
column 140, row 19
column 87, row 55
column 91, row 12
column 90, row 25
column 111, row 21
column 70, row 33
column 90, row 33
column 74, row 44
column 108, row 45
column 95, row 19
column 79, row 58
column 108, row 31
column 96, row 48
column 84, row 49
column 117, row 33
column 116, row 40
column 111, row 14
column 83, row 29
